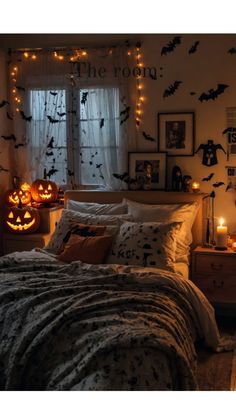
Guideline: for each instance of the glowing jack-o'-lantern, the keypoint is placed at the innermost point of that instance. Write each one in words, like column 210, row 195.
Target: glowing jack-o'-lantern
column 43, row 190
column 22, row 220
column 14, row 196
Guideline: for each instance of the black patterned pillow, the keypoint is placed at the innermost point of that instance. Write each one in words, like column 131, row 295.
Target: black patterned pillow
column 71, row 219
column 145, row 244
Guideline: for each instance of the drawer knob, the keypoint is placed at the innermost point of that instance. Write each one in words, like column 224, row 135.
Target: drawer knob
column 218, row 283
column 216, row 267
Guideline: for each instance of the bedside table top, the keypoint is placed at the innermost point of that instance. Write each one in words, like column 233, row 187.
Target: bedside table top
column 212, row 251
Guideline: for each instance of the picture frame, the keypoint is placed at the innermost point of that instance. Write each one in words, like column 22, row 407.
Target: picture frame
column 149, row 169
column 176, row 133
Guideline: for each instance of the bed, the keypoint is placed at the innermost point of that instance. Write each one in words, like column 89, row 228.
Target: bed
column 105, row 326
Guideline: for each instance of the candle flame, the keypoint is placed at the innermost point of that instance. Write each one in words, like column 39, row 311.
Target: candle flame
column 222, row 221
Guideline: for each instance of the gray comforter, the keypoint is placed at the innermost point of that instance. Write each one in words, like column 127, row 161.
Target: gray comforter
column 84, row 327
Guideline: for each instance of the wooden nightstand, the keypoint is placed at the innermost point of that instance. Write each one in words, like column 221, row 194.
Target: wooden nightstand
column 214, row 272
column 19, row 242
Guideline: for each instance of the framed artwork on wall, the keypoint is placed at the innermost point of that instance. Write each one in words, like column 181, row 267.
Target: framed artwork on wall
column 176, row 133
column 149, row 170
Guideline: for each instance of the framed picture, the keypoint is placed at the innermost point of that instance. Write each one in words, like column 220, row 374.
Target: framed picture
column 176, row 132
column 148, row 170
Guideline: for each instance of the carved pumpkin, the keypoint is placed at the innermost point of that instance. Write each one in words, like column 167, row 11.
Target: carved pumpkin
column 22, row 220
column 43, row 190
column 25, row 186
column 14, row 196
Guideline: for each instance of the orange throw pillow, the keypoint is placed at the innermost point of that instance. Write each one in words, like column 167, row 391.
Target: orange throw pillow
column 86, row 249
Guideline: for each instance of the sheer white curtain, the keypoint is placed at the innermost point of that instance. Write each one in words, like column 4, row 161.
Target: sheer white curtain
column 78, row 141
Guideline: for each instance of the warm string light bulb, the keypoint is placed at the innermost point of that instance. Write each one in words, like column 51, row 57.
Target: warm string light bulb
column 140, row 97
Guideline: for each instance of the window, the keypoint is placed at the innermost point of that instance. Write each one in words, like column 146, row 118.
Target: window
column 75, row 133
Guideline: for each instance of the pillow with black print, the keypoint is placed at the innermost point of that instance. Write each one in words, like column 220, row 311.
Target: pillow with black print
column 145, row 244
column 70, row 220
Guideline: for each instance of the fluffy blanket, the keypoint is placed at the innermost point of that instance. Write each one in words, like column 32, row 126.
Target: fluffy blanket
column 107, row 327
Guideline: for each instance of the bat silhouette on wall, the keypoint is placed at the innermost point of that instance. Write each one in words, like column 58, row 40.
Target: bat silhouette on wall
column 170, row 47
column 193, row 48
column 192, row 93
column 124, row 114
column 70, row 173
column 213, row 93
column 20, row 88
column 148, row 137
column 208, row 178
column 49, row 153
column 52, row 120
column 9, row 137
column 101, row 122
column 20, row 145
column 9, row 116
column 98, row 165
column 232, row 51
column 4, row 103
column 218, row 184
column 84, row 98
column 61, row 114
column 24, row 117
column 171, row 89
column 53, row 93
column 209, row 157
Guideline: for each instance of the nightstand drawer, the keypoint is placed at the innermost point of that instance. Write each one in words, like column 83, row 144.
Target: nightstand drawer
column 214, row 265
column 215, row 282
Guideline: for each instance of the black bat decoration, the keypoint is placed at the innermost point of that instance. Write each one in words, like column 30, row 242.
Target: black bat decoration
column 53, row 93
column 192, row 93
column 213, row 93
column 102, row 123
column 120, row 177
column 208, row 178
column 70, row 173
column 20, row 88
column 51, row 172
column 171, row 45
column 232, row 51
column 61, row 114
column 90, row 163
column 171, row 89
column 9, row 116
column 229, row 129
column 84, row 98
column 193, row 48
column 49, row 153
column 148, row 137
column 218, row 184
column 4, row 103
column 24, row 117
column 9, row 137
column 125, row 114
column 98, row 166
column 52, row 120
column 20, row 145
column 50, row 144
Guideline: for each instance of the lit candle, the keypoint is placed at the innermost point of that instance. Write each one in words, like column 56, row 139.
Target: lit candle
column 221, row 235
column 195, row 186
column 234, row 246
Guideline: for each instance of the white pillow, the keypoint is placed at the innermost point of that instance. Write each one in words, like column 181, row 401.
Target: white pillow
column 95, row 208
column 69, row 219
column 145, row 244
column 186, row 213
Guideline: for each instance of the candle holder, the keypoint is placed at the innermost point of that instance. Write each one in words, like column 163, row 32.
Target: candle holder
column 195, row 187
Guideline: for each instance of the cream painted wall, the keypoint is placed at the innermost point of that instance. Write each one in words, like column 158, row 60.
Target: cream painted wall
column 199, row 72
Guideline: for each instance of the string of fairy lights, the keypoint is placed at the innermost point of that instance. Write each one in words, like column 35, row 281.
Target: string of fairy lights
column 74, row 56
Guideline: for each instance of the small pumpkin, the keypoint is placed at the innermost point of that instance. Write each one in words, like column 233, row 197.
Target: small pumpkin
column 43, row 190
column 14, row 196
column 22, row 219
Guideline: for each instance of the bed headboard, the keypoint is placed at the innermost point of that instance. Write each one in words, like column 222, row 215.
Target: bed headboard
column 146, row 197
